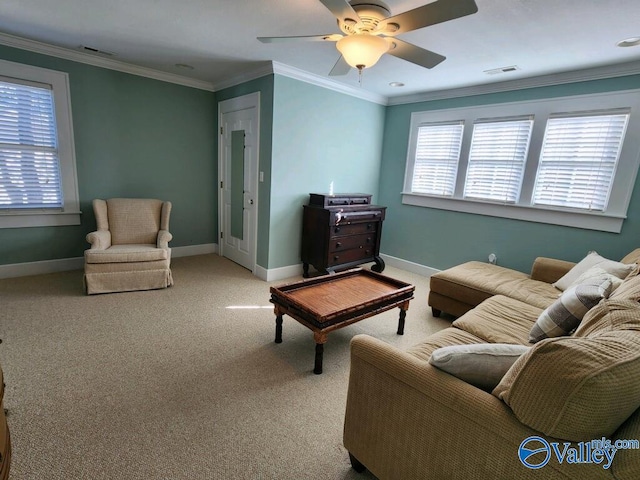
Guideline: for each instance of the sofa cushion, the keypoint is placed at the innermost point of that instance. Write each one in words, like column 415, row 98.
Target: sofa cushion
column 630, row 288
column 565, row 314
column 500, row 319
column 610, row 315
column 576, row 388
column 442, row 338
column 482, row 365
column 474, row 282
column 619, row 269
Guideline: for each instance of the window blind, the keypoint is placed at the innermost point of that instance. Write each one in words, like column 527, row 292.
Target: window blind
column 578, row 160
column 436, row 161
column 29, row 164
column 497, row 159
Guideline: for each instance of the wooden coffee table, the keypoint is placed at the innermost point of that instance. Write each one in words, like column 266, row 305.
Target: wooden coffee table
column 327, row 303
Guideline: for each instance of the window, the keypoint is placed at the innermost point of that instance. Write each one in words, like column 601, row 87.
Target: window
column 38, row 184
column 578, row 160
column 436, row 158
column 496, row 160
column 564, row 161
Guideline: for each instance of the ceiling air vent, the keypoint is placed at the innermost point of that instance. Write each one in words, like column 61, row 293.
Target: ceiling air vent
column 97, row 51
column 495, row 71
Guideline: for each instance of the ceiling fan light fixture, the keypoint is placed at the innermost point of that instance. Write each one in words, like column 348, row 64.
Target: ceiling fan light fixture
column 362, row 50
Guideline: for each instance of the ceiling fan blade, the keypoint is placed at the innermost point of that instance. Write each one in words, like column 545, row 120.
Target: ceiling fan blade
column 332, row 37
column 340, row 68
column 341, row 9
column 430, row 14
column 414, row 54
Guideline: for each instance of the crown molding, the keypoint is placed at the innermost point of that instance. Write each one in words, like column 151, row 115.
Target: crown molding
column 295, row 73
column 263, row 70
column 103, row 62
column 597, row 73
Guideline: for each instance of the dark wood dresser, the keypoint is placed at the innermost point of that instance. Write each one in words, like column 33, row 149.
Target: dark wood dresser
column 341, row 231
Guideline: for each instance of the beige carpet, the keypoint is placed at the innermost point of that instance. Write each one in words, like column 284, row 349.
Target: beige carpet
column 182, row 383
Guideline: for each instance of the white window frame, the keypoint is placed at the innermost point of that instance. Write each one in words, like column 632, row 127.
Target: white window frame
column 69, row 214
column 610, row 220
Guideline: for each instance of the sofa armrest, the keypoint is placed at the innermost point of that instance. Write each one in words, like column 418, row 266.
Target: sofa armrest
column 99, row 240
column 407, row 419
column 549, row 270
column 164, row 237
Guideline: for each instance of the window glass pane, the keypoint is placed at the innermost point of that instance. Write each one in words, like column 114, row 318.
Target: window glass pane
column 437, row 155
column 29, row 164
column 578, row 160
column 497, row 159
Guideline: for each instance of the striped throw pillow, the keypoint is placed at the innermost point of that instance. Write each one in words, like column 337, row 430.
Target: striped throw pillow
column 565, row 314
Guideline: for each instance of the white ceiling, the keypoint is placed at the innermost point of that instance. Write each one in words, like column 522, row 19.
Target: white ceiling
column 218, row 38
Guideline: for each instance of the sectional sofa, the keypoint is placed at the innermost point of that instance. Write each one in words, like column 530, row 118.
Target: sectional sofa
column 479, row 411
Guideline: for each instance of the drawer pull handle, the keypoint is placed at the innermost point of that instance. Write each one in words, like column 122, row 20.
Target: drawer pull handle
column 337, row 230
column 369, row 226
column 336, row 257
column 338, row 244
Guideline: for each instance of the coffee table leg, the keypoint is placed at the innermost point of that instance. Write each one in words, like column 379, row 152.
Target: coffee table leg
column 278, row 328
column 320, row 339
column 403, row 314
column 317, row 368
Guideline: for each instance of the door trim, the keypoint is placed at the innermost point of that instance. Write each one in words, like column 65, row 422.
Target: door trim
column 244, row 102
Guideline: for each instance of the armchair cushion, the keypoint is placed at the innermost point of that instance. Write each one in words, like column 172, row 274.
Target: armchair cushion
column 126, row 253
column 134, row 220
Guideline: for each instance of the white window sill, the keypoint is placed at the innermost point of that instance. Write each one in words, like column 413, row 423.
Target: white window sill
column 38, row 219
column 569, row 218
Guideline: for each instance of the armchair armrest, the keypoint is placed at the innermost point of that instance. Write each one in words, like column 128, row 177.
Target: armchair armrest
column 549, row 270
column 164, row 237
column 99, row 240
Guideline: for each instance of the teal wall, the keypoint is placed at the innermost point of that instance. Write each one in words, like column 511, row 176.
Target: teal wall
column 319, row 136
column 264, row 85
column 135, row 137
column 141, row 137
column 440, row 239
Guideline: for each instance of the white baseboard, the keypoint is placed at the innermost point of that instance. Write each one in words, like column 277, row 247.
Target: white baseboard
column 63, row 264
column 44, row 266
column 408, row 266
column 267, row 274
column 275, row 274
column 191, row 250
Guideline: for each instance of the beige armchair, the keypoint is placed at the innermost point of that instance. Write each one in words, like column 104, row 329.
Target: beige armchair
column 130, row 249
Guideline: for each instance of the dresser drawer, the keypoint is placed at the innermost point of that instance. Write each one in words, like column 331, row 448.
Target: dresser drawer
column 354, row 228
column 338, row 244
column 348, row 256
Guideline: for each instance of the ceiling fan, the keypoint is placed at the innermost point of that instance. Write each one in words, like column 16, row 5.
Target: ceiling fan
column 370, row 31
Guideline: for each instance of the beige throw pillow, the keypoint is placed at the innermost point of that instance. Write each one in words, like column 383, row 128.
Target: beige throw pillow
column 620, row 270
column 482, row 365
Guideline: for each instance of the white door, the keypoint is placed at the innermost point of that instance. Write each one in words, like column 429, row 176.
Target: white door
column 238, row 200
